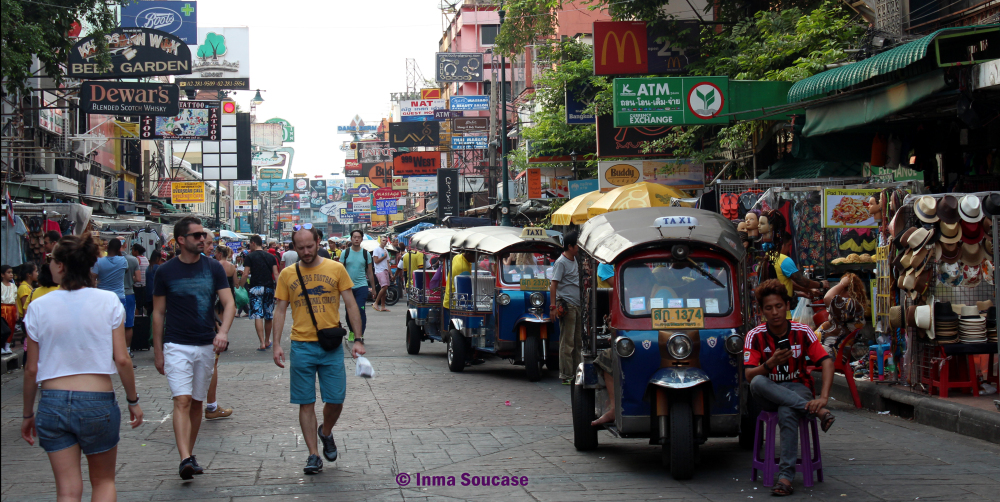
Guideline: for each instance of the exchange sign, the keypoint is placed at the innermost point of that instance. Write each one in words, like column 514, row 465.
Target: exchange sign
column 640, row 102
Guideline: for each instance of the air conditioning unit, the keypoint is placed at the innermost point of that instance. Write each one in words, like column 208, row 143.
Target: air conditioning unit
column 47, row 161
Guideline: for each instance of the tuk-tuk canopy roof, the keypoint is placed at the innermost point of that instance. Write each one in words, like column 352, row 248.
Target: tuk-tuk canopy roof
column 607, row 236
column 493, row 240
column 433, row 240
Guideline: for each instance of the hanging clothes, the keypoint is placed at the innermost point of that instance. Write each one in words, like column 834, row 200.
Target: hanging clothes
column 12, row 240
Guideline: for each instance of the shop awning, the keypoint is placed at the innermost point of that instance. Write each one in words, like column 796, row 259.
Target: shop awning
column 792, row 168
column 887, row 62
column 866, row 108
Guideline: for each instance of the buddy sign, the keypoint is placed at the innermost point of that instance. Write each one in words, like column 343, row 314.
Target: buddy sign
column 640, row 102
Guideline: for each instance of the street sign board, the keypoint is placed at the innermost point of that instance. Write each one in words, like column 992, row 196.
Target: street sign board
column 272, row 173
column 640, row 102
column 385, row 207
column 462, row 103
column 469, row 142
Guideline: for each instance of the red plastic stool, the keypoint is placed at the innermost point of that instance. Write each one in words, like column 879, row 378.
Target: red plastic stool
column 957, row 371
column 767, row 424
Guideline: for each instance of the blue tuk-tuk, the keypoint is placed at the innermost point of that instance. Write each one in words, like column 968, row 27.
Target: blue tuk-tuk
column 668, row 325
column 499, row 298
column 424, row 314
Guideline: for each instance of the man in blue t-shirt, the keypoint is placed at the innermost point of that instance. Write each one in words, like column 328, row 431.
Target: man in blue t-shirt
column 358, row 263
column 184, row 295
column 110, row 270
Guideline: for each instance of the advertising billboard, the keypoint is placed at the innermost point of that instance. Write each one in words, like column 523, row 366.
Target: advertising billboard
column 129, row 98
column 459, row 67
column 187, row 192
column 417, row 163
column 357, row 126
column 197, row 120
column 317, row 193
column 448, row 191
column 135, row 52
column 408, row 135
column 671, row 101
column 419, row 110
column 627, row 141
column 470, row 103
column 221, row 60
column 632, row 47
column 465, row 125
column 176, row 17
column 677, row 173
column 469, row 142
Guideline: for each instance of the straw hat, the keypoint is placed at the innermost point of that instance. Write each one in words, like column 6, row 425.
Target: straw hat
column 973, row 254
column 905, row 236
column 950, row 233
column 924, row 317
column 896, row 319
column 919, row 237
column 970, row 209
column 926, row 209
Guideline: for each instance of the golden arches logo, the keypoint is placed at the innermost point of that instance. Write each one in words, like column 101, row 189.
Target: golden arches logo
column 620, row 45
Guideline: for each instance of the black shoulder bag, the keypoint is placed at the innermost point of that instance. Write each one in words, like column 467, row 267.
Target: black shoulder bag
column 329, row 338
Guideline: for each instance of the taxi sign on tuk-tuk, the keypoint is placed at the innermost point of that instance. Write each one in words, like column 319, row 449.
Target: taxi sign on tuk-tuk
column 534, row 233
column 676, row 221
column 534, row 284
column 678, row 318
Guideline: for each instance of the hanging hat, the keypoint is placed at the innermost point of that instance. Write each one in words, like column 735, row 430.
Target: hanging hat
column 944, row 313
column 924, row 316
column 909, row 280
column 920, row 285
column 972, row 233
column 973, row 254
column 950, row 233
column 991, row 204
column 919, row 238
column 926, row 209
column 896, row 317
column 906, row 259
column 905, row 236
column 920, row 259
column 970, row 209
column 947, row 209
column 910, row 316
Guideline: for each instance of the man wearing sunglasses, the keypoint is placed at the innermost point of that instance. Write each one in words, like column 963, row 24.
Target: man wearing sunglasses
column 184, row 295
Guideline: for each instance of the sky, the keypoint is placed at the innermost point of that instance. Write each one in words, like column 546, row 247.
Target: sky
column 319, row 63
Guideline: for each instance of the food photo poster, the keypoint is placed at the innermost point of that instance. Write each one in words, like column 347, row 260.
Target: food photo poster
column 848, row 208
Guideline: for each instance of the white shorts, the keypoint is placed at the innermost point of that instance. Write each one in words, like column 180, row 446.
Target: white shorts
column 188, row 369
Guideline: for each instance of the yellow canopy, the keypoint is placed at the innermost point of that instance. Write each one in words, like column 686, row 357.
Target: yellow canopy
column 642, row 194
column 574, row 211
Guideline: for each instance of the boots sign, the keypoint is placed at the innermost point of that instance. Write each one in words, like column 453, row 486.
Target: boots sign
column 129, row 98
column 135, row 52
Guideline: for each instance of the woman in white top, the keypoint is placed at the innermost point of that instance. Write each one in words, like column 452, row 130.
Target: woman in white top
column 73, row 357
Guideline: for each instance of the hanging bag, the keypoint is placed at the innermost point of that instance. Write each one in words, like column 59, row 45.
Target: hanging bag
column 329, row 338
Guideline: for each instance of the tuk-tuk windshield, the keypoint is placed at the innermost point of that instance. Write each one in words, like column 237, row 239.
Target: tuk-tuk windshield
column 648, row 285
column 517, row 266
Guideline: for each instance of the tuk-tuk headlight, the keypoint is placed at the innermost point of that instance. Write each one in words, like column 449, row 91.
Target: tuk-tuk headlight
column 503, row 299
column 624, row 346
column 734, row 344
column 679, row 346
column 537, row 299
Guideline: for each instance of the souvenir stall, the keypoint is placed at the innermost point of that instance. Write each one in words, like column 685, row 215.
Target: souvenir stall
column 937, row 291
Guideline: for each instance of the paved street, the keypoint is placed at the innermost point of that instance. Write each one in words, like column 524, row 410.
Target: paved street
column 416, row 417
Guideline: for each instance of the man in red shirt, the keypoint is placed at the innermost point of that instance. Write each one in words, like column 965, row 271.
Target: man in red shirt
column 774, row 359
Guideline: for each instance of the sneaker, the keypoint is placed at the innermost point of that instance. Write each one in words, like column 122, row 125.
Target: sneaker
column 130, row 354
column 197, row 468
column 187, row 469
column 314, row 465
column 219, row 412
column 329, row 445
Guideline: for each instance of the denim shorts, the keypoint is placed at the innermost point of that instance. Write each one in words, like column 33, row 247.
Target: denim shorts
column 129, row 304
column 309, row 360
column 66, row 418
column 261, row 302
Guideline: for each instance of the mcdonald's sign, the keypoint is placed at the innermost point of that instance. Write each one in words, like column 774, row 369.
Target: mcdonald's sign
column 620, row 48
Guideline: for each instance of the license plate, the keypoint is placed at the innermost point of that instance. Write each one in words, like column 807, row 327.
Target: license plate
column 534, row 284
column 678, row 318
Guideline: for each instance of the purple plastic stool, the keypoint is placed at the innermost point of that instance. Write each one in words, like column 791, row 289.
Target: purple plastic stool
column 768, row 464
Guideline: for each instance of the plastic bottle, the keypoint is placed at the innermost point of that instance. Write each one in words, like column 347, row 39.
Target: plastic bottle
column 890, row 366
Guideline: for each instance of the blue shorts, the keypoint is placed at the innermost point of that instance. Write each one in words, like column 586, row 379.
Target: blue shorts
column 129, row 303
column 66, row 418
column 308, row 360
column 261, row 302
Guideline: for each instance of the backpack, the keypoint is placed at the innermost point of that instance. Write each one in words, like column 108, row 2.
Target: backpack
column 347, row 252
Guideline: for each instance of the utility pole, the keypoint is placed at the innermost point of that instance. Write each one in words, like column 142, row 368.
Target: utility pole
column 505, row 203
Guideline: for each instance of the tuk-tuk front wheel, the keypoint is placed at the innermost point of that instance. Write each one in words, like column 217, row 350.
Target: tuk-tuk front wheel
column 533, row 358
column 680, row 453
column 458, row 351
column 413, row 337
column 584, row 412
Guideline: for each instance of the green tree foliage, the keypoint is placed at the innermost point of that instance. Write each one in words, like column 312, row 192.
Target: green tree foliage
column 525, row 21
column 42, row 29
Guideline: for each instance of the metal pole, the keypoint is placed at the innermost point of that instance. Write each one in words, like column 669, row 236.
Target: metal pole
column 505, row 203
column 218, row 188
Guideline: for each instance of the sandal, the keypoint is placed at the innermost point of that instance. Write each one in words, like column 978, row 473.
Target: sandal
column 782, row 490
column 827, row 421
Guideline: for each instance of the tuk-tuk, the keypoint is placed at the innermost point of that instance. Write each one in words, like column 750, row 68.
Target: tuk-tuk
column 500, row 307
column 424, row 319
column 671, row 328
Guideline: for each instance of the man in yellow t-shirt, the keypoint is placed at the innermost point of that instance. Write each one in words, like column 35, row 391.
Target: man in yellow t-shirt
column 412, row 261
column 324, row 282
column 459, row 265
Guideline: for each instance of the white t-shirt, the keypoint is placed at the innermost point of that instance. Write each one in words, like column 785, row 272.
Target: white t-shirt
column 74, row 344
column 384, row 265
column 290, row 258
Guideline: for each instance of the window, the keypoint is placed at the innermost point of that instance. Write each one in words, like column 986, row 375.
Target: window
column 517, row 266
column 488, row 33
column 676, row 284
column 488, row 89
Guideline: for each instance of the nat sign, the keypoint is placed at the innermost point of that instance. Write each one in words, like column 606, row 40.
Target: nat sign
column 416, row 163
column 631, row 47
column 129, row 98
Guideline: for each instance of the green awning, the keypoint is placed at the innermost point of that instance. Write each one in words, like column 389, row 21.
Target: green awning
column 882, row 64
column 872, row 106
column 792, row 168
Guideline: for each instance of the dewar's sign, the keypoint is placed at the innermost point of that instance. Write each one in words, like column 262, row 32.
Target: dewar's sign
column 135, row 52
column 129, row 98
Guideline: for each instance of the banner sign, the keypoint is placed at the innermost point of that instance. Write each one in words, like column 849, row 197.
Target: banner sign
column 575, row 109
column 677, row 173
column 671, row 101
column 261, row 159
column 197, row 120
column 434, row 93
column 385, row 207
column 135, row 52
column 352, row 168
column 357, row 126
column 361, row 204
column 317, row 193
column 379, row 174
column 534, row 183
column 301, row 184
column 421, row 184
column 333, row 208
column 472, row 124
column 374, row 151
column 417, row 163
column 284, row 185
column 270, row 173
column 187, row 192
column 469, row 142
column 631, row 47
column 419, row 110
column 463, row 103
column 448, row 190
column 400, row 182
column 459, row 67
column 178, row 18
column 287, row 129
column 627, row 141
column 446, row 114
column 408, row 135
column 221, row 60
column 580, row 187
column 242, row 206
column 128, row 98
column 388, row 193
column 848, row 208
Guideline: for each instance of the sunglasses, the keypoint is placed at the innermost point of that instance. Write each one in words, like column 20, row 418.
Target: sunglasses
column 306, row 226
column 197, row 235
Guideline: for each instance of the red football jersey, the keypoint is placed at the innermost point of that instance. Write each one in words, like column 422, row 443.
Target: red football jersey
column 760, row 345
